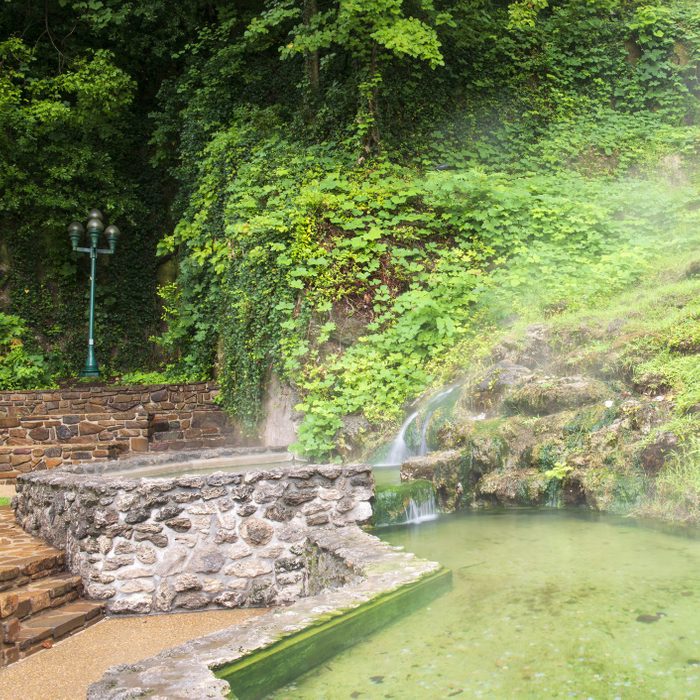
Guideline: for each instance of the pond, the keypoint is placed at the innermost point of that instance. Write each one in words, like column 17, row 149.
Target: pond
column 545, row 604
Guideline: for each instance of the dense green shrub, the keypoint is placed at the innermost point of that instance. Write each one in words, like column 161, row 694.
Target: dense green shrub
column 288, row 157
column 19, row 369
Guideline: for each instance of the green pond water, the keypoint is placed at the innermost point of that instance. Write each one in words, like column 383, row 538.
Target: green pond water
column 545, row 604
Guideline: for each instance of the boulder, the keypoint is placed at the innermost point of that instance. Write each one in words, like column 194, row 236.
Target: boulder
column 544, row 395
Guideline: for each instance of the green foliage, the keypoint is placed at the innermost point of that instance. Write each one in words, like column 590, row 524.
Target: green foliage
column 54, row 168
column 19, row 369
column 299, row 240
column 292, row 151
column 677, row 488
column 559, row 471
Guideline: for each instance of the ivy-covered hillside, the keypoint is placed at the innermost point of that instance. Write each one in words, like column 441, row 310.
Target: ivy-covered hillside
column 355, row 196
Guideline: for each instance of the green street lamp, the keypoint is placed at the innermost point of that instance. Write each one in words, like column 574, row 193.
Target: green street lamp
column 95, row 226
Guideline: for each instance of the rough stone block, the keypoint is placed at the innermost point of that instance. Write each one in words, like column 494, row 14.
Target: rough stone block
column 209, row 419
column 179, row 524
column 10, row 630
column 139, row 604
column 207, row 560
column 320, row 519
column 249, row 568
column 187, row 582
column 9, row 655
column 66, row 432
column 8, row 604
column 117, row 562
column 138, row 444
column 192, row 600
column 256, row 532
column 39, row 434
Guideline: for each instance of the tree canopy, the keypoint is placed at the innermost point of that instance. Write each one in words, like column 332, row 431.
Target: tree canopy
column 325, row 189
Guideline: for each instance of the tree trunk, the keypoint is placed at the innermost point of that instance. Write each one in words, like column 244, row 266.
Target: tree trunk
column 311, row 59
column 372, row 143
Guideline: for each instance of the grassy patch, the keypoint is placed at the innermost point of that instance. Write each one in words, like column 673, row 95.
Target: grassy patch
column 5, row 501
column 677, row 492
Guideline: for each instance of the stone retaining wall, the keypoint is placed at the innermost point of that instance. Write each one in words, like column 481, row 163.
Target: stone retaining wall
column 192, row 541
column 46, row 429
column 15, row 460
column 107, row 399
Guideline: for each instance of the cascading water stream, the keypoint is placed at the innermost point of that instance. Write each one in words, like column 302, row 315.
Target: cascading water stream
column 431, row 407
column 400, row 451
column 421, row 512
column 413, row 440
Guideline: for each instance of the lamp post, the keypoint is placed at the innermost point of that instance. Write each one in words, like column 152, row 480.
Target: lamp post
column 95, row 226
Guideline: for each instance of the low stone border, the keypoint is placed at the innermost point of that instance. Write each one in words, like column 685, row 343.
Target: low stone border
column 189, row 670
column 191, row 541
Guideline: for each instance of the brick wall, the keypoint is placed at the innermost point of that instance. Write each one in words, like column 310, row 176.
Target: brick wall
column 45, row 429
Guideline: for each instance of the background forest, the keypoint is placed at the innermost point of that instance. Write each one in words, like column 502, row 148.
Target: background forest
column 354, row 195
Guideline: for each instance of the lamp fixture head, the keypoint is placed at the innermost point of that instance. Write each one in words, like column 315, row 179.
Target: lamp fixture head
column 75, row 232
column 112, row 233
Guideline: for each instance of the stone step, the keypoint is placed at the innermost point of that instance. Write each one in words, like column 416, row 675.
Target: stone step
column 24, row 558
column 17, row 572
column 42, row 630
column 35, row 596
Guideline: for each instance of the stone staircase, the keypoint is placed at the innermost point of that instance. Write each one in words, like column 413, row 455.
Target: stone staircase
column 40, row 603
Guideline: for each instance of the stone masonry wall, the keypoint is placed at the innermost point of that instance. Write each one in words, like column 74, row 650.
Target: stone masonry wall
column 193, row 541
column 46, row 429
column 101, row 399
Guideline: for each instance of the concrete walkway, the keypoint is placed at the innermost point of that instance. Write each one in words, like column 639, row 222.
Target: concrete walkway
column 65, row 671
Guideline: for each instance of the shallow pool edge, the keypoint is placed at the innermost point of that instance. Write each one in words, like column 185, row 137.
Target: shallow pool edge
column 377, row 581
column 263, row 672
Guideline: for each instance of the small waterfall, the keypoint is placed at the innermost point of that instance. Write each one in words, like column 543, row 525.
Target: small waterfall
column 405, row 503
column 553, row 493
column 401, row 448
column 400, row 451
column 421, row 512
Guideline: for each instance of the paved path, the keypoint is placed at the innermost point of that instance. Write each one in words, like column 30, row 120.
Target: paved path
column 16, row 545
column 65, row 671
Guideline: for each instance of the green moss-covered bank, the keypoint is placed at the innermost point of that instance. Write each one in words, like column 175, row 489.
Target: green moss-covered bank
column 598, row 409
column 392, row 501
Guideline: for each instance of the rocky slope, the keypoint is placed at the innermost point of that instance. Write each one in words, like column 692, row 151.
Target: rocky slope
column 601, row 410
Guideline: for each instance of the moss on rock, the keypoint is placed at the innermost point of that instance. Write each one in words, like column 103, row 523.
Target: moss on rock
column 542, row 396
column 391, row 502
